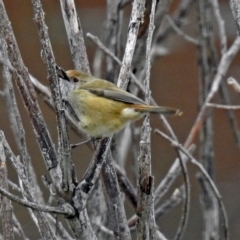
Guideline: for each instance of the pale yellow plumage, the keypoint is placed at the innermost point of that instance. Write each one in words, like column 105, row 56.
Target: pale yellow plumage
column 103, row 108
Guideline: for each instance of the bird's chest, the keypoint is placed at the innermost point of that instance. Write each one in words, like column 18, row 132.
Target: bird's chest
column 98, row 116
column 82, row 105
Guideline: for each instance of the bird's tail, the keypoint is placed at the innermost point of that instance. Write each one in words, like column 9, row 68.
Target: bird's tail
column 157, row 110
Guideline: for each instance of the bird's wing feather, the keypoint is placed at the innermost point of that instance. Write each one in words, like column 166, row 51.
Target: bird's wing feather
column 117, row 95
column 111, row 91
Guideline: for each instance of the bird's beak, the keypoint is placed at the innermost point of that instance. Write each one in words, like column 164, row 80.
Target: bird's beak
column 62, row 74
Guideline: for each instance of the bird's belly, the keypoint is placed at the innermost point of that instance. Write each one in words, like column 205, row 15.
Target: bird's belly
column 99, row 117
column 98, row 128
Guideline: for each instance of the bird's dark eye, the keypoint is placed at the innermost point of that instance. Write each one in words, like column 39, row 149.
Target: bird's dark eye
column 75, row 80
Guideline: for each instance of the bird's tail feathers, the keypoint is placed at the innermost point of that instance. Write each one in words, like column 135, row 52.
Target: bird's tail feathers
column 157, row 110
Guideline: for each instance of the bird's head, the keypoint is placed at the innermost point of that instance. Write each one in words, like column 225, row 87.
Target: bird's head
column 74, row 76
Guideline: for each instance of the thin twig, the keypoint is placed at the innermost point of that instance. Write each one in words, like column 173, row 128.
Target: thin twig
column 42, row 223
column 66, row 210
column 75, row 35
column 234, row 84
column 145, row 201
column 234, row 4
column 27, row 92
column 126, row 186
column 211, row 212
column 180, row 15
column 177, row 196
column 136, row 17
column 64, row 147
column 180, row 32
column 109, row 53
column 221, row 26
column 186, row 205
column 17, row 128
column 223, row 66
column 113, row 196
column 220, row 106
column 170, row 177
column 92, row 173
column 207, row 63
column 6, row 206
column 19, row 228
column 208, row 178
column 112, row 39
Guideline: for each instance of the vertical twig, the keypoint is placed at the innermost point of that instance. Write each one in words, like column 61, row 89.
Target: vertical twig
column 113, row 34
column 75, row 35
column 180, row 15
column 136, row 18
column 117, row 215
column 235, row 6
column 30, row 101
column 207, row 177
column 186, row 205
column 17, row 126
column 27, row 91
column 145, row 200
column 232, row 118
column 83, row 189
column 222, row 69
column 38, row 217
column 6, row 206
column 97, row 209
column 114, row 22
column 139, row 61
column 221, row 26
column 207, row 62
column 64, row 146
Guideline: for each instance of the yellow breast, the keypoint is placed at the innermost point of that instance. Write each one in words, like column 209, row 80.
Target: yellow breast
column 99, row 116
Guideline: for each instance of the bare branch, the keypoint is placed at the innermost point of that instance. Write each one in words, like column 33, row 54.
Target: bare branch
column 177, row 196
column 180, row 32
column 75, row 35
column 113, row 34
column 214, row 105
column 65, row 210
column 109, row 53
column 145, row 201
column 234, row 84
column 27, row 91
column 136, row 17
column 223, row 66
column 208, row 178
column 6, row 206
column 234, row 4
column 171, row 176
column 186, row 205
column 65, row 151
column 221, row 26
column 117, row 215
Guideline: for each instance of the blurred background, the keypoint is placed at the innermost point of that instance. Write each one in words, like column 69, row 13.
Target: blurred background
column 174, row 82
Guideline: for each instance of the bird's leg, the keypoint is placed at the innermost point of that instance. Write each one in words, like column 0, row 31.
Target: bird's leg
column 94, row 140
column 80, row 144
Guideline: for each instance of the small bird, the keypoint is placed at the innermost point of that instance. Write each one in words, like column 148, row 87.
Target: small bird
column 100, row 108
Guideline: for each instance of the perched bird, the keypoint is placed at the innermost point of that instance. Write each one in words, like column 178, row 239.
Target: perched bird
column 100, row 108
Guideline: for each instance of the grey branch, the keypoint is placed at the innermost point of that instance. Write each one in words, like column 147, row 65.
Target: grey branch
column 75, row 35
column 208, row 178
column 66, row 210
column 136, row 17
